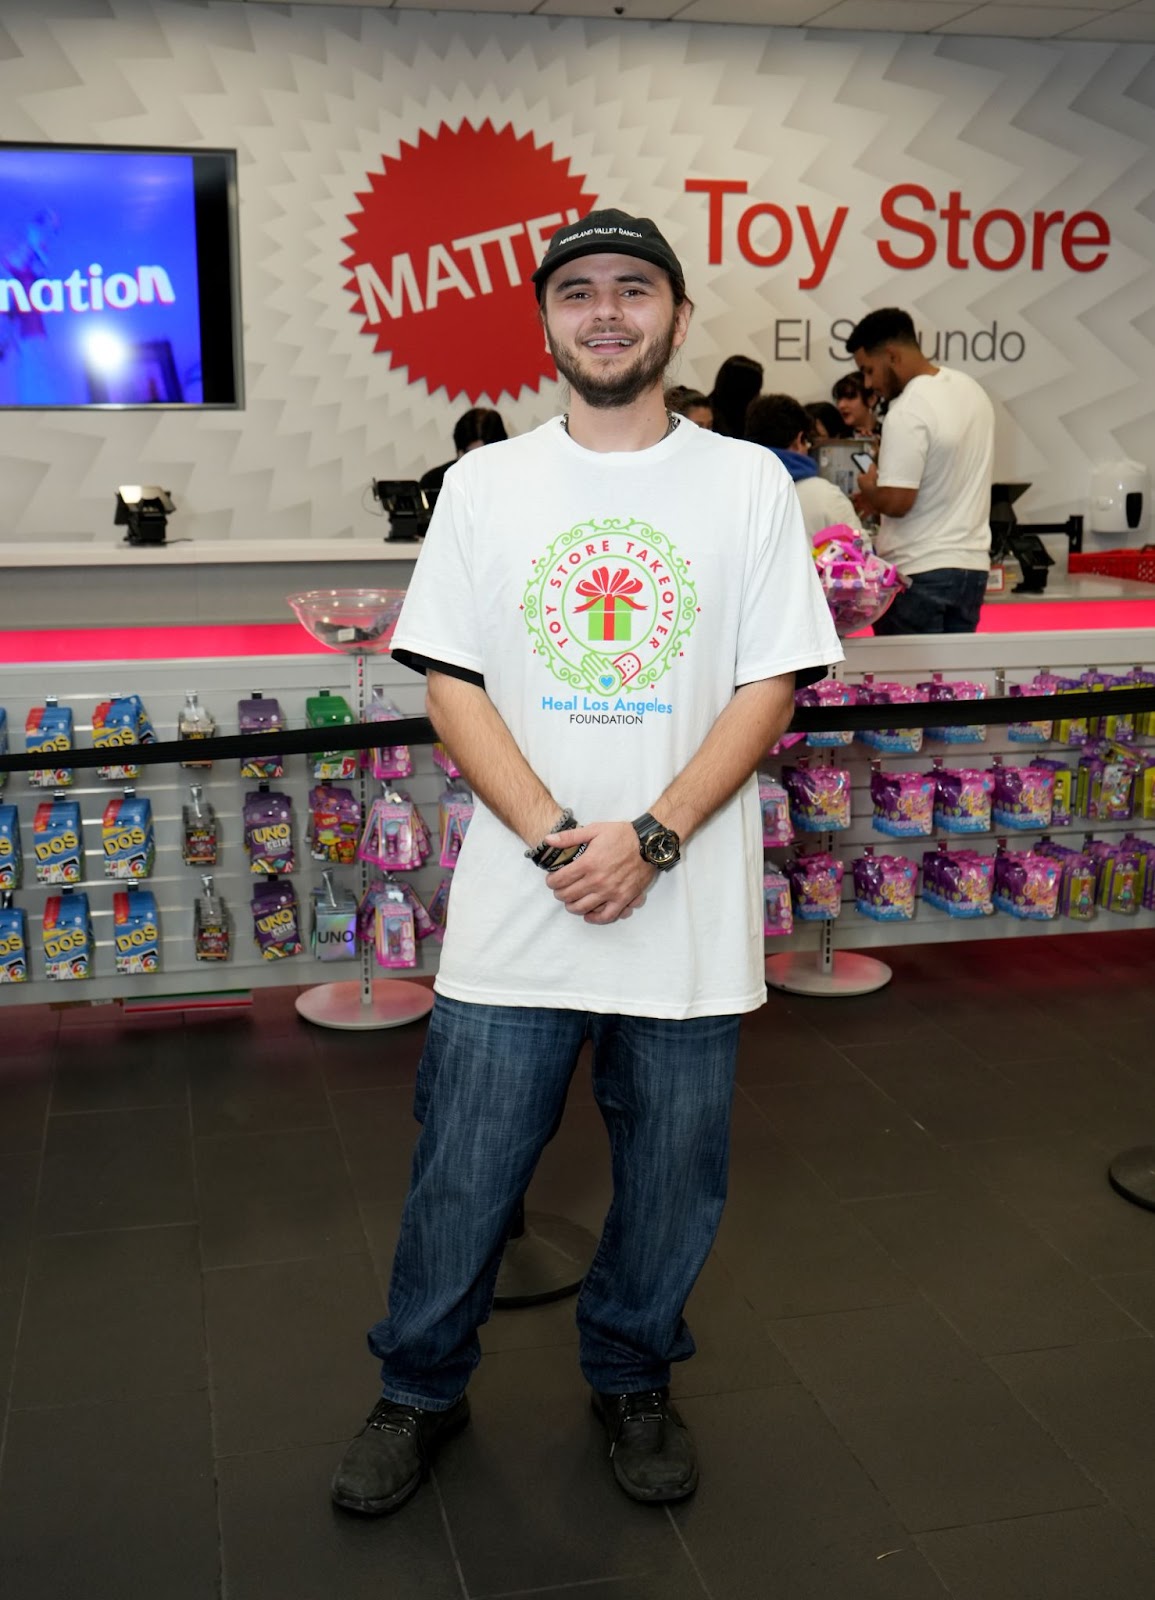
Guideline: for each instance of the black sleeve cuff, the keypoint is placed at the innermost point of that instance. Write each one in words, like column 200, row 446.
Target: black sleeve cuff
column 427, row 664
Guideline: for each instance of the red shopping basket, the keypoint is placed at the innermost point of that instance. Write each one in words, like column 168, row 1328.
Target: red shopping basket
column 1138, row 564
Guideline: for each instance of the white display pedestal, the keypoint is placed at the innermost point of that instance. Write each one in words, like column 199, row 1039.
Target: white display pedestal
column 797, row 972
column 352, row 1005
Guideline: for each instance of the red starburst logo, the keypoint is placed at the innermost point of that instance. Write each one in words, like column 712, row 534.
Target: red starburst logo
column 441, row 253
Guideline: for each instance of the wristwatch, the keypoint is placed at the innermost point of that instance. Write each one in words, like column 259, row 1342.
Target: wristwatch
column 549, row 857
column 660, row 846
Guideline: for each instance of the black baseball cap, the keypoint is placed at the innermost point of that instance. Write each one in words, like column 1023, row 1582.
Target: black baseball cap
column 610, row 233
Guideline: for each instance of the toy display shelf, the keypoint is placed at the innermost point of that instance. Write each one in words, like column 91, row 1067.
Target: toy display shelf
column 220, row 682
column 984, row 658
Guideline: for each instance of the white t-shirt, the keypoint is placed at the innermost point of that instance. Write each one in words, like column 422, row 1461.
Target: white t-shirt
column 612, row 603
column 824, row 505
column 939, row 438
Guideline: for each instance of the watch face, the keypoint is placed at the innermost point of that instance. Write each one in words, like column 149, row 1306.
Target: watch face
column 661, row 848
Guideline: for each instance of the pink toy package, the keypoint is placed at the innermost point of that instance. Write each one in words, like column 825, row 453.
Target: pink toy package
column 958, row 882
column 778, row 913
column 777, row 828
column 390, row 760
column 819, row 798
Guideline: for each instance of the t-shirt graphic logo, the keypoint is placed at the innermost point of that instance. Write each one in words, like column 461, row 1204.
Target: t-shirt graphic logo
column 610, row 605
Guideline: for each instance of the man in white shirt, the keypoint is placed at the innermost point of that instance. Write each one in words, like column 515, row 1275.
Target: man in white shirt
column 932, row 484
column 610, row 611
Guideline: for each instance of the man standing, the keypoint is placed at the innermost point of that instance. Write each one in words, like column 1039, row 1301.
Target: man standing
column 610, row 611
column 932, row 484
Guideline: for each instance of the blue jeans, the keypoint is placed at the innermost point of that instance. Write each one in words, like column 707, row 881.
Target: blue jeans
column 947, row 600
column 491, row 1089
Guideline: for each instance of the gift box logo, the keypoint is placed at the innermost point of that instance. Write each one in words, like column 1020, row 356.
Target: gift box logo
column 607, row 600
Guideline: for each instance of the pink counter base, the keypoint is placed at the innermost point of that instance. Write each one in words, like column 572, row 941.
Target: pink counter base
column 290, row 639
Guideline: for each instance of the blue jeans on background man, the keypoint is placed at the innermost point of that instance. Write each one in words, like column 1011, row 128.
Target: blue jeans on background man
column 491, row 1089
column 947, row 600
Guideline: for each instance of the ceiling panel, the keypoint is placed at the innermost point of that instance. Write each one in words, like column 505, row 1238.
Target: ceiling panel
column 780, row 13
column 1119, row 27
column 1021, row 21
column 1110, row 21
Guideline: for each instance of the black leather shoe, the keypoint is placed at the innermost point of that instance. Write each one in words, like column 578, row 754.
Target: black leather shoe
column 386, row 1462
column 651, row 1450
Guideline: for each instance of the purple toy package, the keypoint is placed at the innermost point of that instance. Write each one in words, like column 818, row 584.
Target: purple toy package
column 950, row 733
column 1023, row 797
column 903, row 803
column 894, row 741
column 1032, row 732
column 258, row 715
column 815, row 887
column 884, row 887
column 958, row 882
column 1027, row 885
column 819, row 798
column 829, row 693
column 962, row 800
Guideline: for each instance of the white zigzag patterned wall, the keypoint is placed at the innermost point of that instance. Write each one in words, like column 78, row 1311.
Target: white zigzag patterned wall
column 314, row 99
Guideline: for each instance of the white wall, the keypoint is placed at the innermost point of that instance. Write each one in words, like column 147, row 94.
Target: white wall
column 314, row 99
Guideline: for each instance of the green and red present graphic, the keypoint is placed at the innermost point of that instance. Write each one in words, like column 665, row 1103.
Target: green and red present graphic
column 609, row 604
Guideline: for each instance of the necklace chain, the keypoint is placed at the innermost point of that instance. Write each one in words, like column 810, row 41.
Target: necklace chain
column 672, row 421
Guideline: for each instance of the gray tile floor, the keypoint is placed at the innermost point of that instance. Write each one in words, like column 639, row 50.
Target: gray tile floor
column 926, row 1336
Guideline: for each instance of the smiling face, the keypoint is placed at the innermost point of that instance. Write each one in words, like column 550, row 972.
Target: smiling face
column 611, row 326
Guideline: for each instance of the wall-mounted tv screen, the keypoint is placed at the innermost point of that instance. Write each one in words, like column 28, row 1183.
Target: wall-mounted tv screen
column 118, row 277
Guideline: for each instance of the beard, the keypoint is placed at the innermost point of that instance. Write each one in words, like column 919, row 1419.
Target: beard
column 619, row 388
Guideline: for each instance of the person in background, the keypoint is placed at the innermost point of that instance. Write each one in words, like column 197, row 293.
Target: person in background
column 826, row 421
column 472, row 430
column 692, row 405
column 780, row 424
column 932, row 484
column 855, row 404
column 738, row 380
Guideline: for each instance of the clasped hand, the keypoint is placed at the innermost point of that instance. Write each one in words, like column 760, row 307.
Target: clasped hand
column 609, row 879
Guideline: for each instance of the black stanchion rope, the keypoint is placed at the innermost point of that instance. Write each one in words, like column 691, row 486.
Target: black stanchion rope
column 419, row 730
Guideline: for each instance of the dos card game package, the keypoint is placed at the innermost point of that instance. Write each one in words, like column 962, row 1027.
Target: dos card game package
column 49, row 728
column 67, row 937
column 13, row 942
column 11, row 861
column 56, row 841
column 135, row 931
column 127, row 836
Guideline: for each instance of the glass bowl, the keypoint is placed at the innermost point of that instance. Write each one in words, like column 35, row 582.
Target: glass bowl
column 352, row 620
